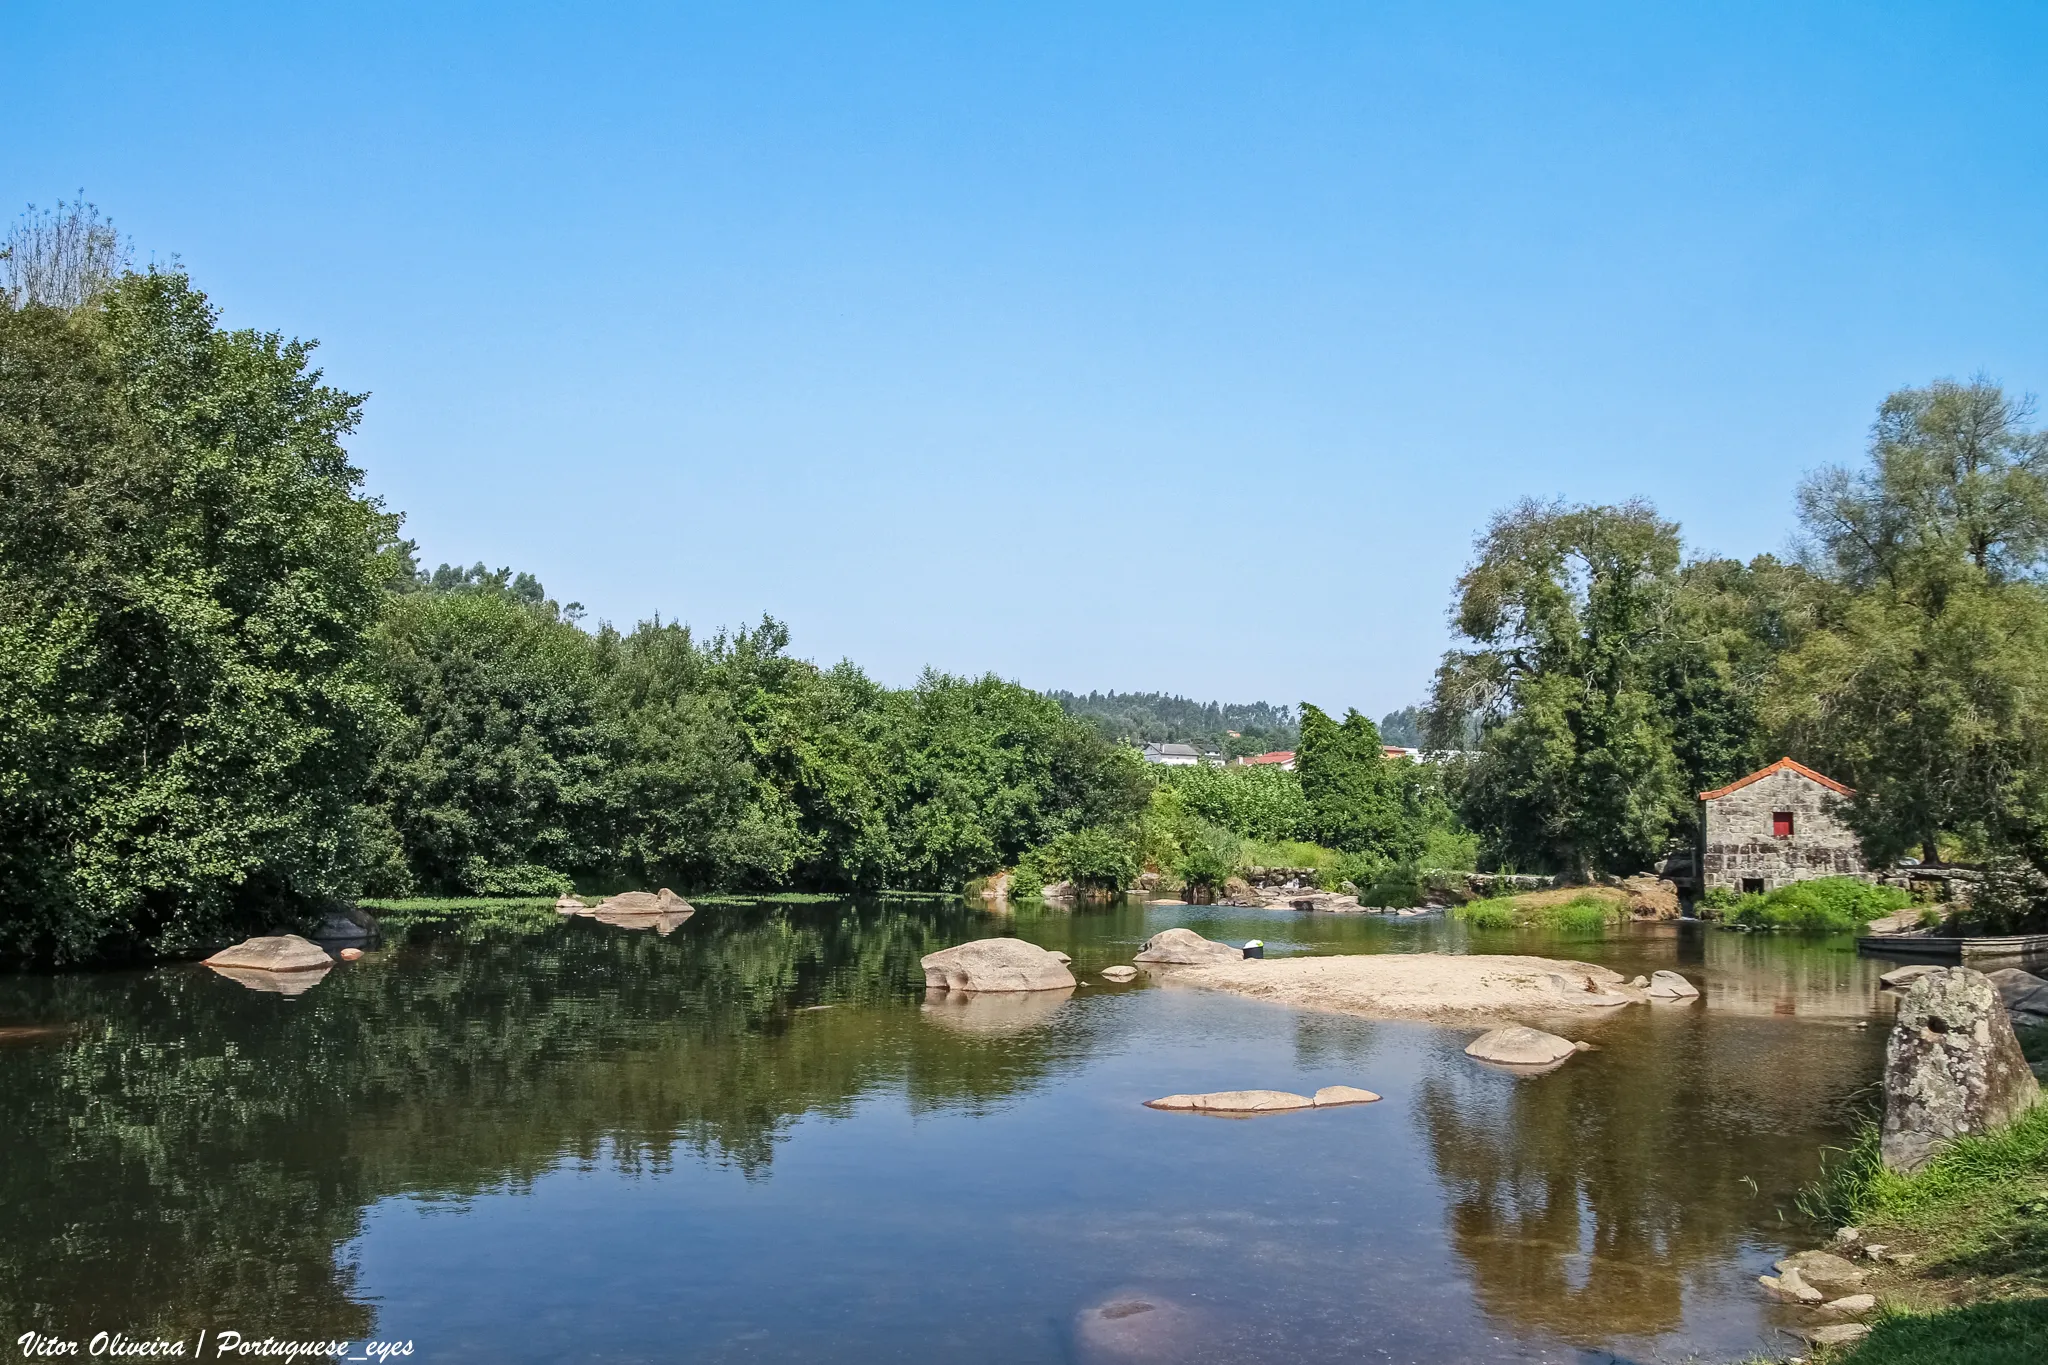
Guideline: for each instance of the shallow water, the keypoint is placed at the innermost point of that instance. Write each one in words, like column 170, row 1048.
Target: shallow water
column 751, row 1140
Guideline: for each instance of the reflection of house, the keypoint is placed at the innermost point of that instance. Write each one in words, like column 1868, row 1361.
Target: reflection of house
column 1779, row 825
column 1282, row 759
column 1173, row 755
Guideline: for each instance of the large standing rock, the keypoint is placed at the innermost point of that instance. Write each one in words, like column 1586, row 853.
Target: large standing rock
column 1651, row 896
column 1185, row 947
column 1517, row 1045
column 273, row 953
column 996, row 964
column 1238, row 891
column 1952, row 1067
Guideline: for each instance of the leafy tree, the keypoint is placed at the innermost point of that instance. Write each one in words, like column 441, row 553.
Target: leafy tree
column 491, row 773
column 1925, row 684
column 1263, row 802
column 1351, row 788
column 1566, row 608
column 187, row 573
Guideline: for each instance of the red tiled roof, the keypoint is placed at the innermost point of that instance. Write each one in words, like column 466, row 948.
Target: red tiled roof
column 1783, row 765
column 1277, row 756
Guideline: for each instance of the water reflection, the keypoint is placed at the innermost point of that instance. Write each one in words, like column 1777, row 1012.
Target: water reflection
column 183, row 1152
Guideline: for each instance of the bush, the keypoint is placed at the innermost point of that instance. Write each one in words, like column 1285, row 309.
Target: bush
column 1830, row 905
column 1582, row 914
column 1099, row 859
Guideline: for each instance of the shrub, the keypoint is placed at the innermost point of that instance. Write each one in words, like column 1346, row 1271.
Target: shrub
column 1829, row 905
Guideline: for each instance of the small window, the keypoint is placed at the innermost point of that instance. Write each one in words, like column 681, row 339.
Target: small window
column 1752, row 886
column 1781, row 824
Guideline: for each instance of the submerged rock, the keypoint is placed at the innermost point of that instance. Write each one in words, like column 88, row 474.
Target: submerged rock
column 273, row 953
column 1952, row 1067
column 1518, row 1045
column 1185, row 947
column 996, row 964
column 1136, row 1324
column 1671, row 986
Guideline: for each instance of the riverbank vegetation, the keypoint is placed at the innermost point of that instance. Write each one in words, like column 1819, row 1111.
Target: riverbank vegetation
column 1973, row 1228
column 1904, row 651
column 1586, row 909
column 1825, row 905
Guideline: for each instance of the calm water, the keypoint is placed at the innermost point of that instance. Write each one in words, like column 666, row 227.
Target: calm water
column 548, row 1140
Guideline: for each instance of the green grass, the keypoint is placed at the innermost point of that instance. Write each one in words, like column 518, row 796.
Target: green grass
column 1587, row 914
column 1976, row 1218
column 1827, row 905
column 1999, row 1332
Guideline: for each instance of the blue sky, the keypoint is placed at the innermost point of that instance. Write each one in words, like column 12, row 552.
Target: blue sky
column 1138, row 346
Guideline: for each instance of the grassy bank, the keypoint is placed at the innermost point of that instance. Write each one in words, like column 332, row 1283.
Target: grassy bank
column 1973, row 1225
column 1575, row 909
column 1827, row 905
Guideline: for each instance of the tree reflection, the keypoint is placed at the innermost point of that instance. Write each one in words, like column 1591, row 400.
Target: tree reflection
column 197, row 1153
column 1589, row 1200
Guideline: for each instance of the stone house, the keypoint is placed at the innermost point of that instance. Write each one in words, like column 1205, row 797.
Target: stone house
column 1779, row 825
column 1172, row 755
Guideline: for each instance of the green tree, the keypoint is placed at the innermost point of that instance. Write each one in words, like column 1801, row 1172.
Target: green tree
column 491, row 772
column 1567, row 608
column 1352, row 789
column 187, row 572
column 1925, row 684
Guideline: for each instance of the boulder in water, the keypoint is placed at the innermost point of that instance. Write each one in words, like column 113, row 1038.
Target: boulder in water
column 1185, row 947
column 2025, row 996
column 1670, row 986
column 1519, row 1045
column 996, row 964
column 1119, row 973
column 1952, row 1067
column 569, row 905
column 273, row 953
column 1332, row 1095
column 1898, row 978
column 1235, row 1102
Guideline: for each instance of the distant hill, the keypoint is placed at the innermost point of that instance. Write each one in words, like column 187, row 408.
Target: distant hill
column 1138, row 717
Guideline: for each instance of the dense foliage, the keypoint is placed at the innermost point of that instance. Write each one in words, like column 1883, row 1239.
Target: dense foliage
column 1229, row 729
column 188, row 576
column 1905, row 653
column 228, row 696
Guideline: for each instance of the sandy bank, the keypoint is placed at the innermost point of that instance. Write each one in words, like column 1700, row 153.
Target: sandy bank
column 1434, row 986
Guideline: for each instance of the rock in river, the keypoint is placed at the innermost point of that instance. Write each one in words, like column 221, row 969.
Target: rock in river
column 1185, row 947
column 996, row 964
column 1235, row 1102
column 1332, row 1095
column 1952, row 1067
column 1824, row 1270
column 1119, row 973
column 569, row 905
column 1898, row 978
column 1671, row 986
column 2025, row 996
column 273, row 953
column 1517, row 1045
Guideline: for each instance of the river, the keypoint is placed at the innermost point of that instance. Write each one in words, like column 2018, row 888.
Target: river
column 523, row 1138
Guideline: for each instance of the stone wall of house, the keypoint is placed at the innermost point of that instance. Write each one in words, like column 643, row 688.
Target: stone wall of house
column 1737, row 843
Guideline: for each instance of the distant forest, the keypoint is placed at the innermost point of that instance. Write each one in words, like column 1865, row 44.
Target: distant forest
column 1142, row 717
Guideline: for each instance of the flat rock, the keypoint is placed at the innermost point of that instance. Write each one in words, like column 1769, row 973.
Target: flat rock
column 1825, row 1271
column 1952, row 1067
column 1331, row 1095
column 1119, row 973
column 1065, row 961
column 1185, row 947
column 1834, row 1334
column 1235, row 1102
column 1898, row 978
column 1788, row 1285
column 273, row 953
column 996, row 964
column 1173, row 1102
column 1519, row 1045
column 1849, row 1306
column 1443, row 987
column 1671, row 986
column 569, row 905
